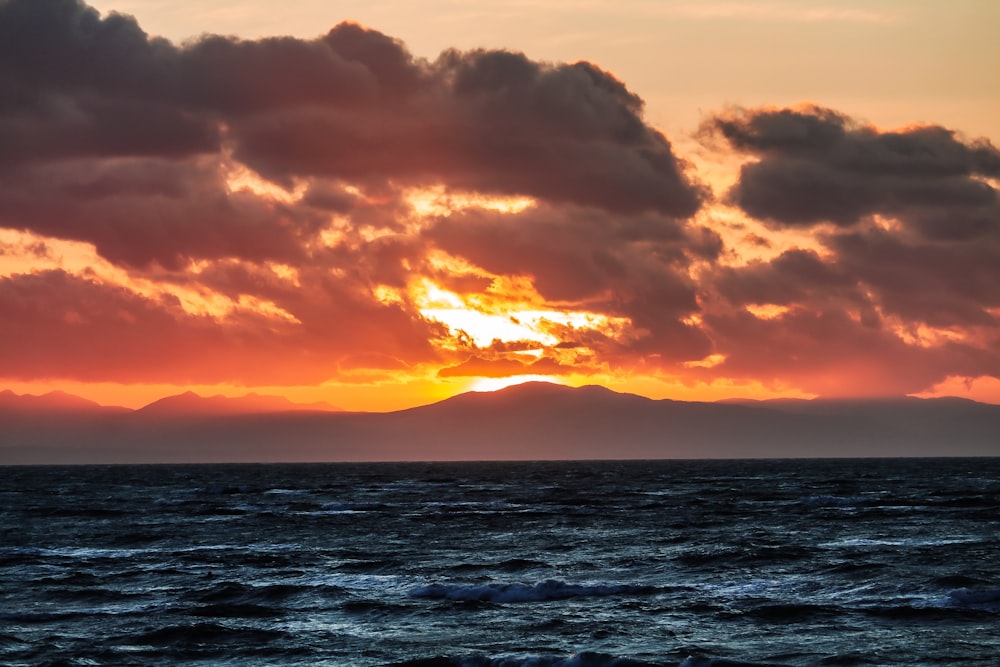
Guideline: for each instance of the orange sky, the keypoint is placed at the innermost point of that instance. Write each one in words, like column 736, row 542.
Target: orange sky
column 409, row 207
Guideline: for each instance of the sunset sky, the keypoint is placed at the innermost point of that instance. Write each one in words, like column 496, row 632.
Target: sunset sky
column 383, row 204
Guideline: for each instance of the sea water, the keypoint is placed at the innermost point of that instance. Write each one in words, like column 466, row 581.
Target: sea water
column 693, row 563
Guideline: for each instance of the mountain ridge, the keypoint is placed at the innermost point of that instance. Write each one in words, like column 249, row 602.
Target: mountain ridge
column 53, row 401
column 525, row 422
column 190, row 403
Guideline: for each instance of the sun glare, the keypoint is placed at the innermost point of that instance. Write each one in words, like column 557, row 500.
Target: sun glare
column 496, row 384
column 484, row 320
column 484, row 328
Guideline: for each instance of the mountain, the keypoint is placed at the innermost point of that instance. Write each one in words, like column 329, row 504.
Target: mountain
column 190, row 403
column 526, row 422
column 52, row 402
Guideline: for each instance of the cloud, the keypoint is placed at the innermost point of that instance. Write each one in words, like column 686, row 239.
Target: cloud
column 875, row 314
column 816, row 165
column 634, row 267
column 939, row 283
column 141, row 211
column 485, row 121
column 286, row 181
column 832, row 352
column 932, row 258
column 352, row 104
column 904, row 289
column 130, row 136
column 792, row 277
column 63, row 326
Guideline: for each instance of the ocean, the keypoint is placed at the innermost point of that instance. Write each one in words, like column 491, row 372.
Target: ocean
column 585, row 564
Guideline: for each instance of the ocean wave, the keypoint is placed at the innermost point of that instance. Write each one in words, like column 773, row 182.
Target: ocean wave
column 583, row 659
column 980, row 600
column 792, row 612
column 235, row 610
column 43, row 616
column 543, row 591
column 699, row 661
column 350, row 508
column 205, row 633
column 823, row 500
column 909, row 542
column 509, row 565
column 236, row 593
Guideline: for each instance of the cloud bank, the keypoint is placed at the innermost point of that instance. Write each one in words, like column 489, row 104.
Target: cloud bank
column 338, row 204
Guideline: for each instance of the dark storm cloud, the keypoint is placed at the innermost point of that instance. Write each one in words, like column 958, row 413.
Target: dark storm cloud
column 73, row 84
column 60, row 127
column 816, row 165
column 352, row 105
column 140, row 211
column 940, row 284
column 487, row 121
column 64, row 47
column 573, row 255
column 866, row 302
column 880, row 311
column 872, row 270
column 792, row 277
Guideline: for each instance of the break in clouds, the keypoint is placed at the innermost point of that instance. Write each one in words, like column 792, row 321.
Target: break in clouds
column 280, row 180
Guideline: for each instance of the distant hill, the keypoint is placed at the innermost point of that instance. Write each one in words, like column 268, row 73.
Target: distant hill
column 527, row 422
column 52, row 402
column 190, row 403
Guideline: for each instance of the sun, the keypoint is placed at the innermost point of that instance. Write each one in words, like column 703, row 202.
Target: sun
column 496, row 384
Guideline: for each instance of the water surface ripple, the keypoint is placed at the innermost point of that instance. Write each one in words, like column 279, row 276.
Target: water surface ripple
column 586, row 564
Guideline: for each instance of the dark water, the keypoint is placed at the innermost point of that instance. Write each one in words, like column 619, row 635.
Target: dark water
column 863, row 562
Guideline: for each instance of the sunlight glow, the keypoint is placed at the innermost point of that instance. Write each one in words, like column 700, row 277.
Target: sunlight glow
column 484, row 319
column 286, row 272
column 707, row 362
column 336, row 232
column 24, row 252
column 240, row 178
column 439, row 201
column 496, row 384
column 922, row 335
column 483, row 328
column 766, row 311
column 982, row 388
column 388, row 295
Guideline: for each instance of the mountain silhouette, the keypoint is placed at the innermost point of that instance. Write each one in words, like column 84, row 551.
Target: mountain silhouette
column 532, row 421
column 190, row 403
column 52, row 402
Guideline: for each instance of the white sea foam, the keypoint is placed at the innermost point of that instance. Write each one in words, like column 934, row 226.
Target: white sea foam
column 900, row 542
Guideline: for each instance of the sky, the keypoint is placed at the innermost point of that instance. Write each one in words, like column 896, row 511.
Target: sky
column 383, row 204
